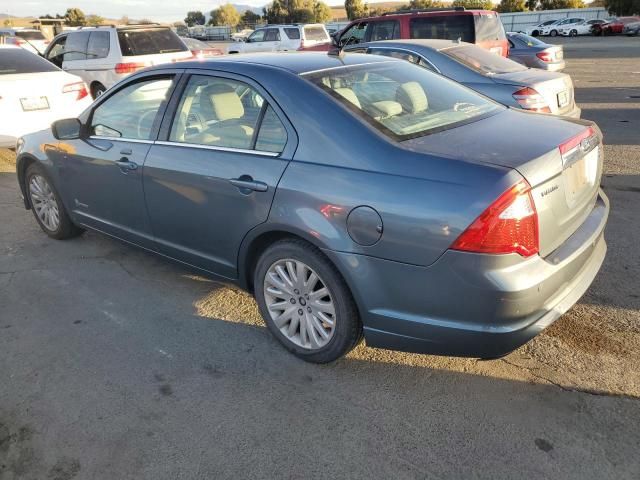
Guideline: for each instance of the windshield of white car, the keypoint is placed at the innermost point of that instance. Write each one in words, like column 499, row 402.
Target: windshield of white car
column 482, row 61
column 403, row 100
column 17, row 60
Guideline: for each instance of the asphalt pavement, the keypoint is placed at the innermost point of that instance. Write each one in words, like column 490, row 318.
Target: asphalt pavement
column 115, row 364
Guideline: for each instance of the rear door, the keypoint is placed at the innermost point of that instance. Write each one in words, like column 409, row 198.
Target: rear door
column 102, row 172
column 211, row 176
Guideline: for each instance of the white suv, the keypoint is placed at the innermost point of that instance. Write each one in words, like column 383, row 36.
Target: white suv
column 102, row 56
column 282, row 38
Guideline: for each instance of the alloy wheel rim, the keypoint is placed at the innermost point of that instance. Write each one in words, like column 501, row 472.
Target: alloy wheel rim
column 300, row 304
column 44, row 202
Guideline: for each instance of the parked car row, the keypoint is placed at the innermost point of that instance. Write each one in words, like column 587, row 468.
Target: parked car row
column 572, row 27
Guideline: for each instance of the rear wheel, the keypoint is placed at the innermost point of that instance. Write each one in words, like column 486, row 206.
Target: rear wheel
column 47, row 206
column 553, row 33
column 535, row 33
column 305, row 302
column 97, row 89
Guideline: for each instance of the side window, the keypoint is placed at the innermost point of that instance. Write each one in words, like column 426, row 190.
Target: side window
column 272, row 35
column 272, row 136
column 511, row 45
column 130, row 112
column 76, row 47
column 217, row 112
column 56, row 52
column 354, row 35
column 448, row 27
column 98, row 46
column 386, row 30
column 257, row 36
column 292, row 33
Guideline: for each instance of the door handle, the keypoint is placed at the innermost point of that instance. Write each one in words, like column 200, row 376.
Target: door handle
column 126, row 165
column 245, row 182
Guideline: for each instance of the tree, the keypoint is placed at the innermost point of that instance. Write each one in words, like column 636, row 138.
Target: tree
column 249, row 18
column 475, row 4
column 8, row 23
column 302, row 15
column 145, row 21
column 623, row 7
column 277, row 12
column 422, row 4
column 94, row 20
column 557, row 4
column 225, row 15
column 194, row 18
column 355, row 9
column 321, row 12
column 506, row 6
column 532, row 5
column 75, row 17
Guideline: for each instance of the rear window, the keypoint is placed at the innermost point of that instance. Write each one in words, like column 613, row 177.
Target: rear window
column 447, row 27
column 30, row 35
column 149, row 42
column 528, row 40
column 482, row 60
column 292, row 33
column 17, row 60
column 402, row 100
column 315, row 33
column 488, row 28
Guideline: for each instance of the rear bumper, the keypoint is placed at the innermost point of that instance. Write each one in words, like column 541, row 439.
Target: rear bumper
column 473, row 305
column 575, row 112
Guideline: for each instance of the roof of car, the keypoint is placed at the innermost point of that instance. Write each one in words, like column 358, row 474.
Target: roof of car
column 295, row 62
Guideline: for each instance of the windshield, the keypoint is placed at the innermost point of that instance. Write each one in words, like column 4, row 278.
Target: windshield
column 149, row 42
column 482, row 60
column 30, row 35
column 17, row 60
column 402, row 100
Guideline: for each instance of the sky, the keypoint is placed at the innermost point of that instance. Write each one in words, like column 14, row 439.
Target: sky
column 159, row 10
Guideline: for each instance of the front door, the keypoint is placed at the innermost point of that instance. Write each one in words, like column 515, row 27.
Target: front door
column 213, row 176
column 102, row 171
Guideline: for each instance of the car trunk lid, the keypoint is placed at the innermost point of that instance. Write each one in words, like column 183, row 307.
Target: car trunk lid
column 556, row 88
column 564, row 184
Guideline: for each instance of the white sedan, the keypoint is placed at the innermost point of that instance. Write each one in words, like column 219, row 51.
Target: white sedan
column 34, row 93
column 580, row 28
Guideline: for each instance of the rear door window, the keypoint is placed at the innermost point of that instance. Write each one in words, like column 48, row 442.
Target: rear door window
column 149, row 42
column 448, row 27
column 17, row 60
column 272, row 35
column 386, row 30
column 98, row 46
column 76, row 47
column 292, row 33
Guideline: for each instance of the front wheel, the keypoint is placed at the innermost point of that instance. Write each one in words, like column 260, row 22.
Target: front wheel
column 47, row 206
column 553, row 33
column 97, row 89
column 573, row 33
column 305, row 302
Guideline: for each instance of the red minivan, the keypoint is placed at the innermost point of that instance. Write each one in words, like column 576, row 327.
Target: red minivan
column 482, row 27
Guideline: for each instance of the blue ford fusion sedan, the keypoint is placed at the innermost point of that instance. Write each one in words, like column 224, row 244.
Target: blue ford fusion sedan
column 353, row 195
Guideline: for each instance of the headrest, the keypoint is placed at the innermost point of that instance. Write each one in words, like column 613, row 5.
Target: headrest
column 225, row 102
column 412, row 97
column 386, row 108
column 349, row 95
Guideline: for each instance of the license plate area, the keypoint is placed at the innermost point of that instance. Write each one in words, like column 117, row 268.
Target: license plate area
column 580, row 177
column 563, row 99
column 30, row 104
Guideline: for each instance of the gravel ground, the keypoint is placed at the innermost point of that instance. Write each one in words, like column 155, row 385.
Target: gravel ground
column 118, row 364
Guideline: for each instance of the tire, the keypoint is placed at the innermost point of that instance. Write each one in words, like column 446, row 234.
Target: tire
column 346, row 331
column 39, row 186
column 553, row 33
column 573, row 33
column 535, row 33
column 97, row 89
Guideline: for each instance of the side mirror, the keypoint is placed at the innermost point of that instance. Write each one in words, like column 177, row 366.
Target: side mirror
column 66, row 129
column 335, row 40
column 247, row 40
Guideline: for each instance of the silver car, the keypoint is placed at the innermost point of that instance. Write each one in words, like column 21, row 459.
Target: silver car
column 496, row 77
column 535, row 53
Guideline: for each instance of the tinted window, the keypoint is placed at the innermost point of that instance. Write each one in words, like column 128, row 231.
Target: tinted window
column 30, row 35
column 355, row 34
column 488, row 28
column 257, row 36
column 17, row 60
column 272, row 136
column 217, row 112
column 292, row 33
column 76, row 47
column 272, row 35
column 482, row 60
column 385, row 30
column 316, row 33
column 149, row 42
column 402, row 100
column 131, row 111
column 98, row 46
column 448, row 27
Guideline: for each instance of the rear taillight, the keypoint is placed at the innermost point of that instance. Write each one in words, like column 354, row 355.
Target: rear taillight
column 574, row 148
column 302, row 45
column 508, row 225
column 545, row 56
column 129, row 67
column 529, row 99
column 78, row 87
